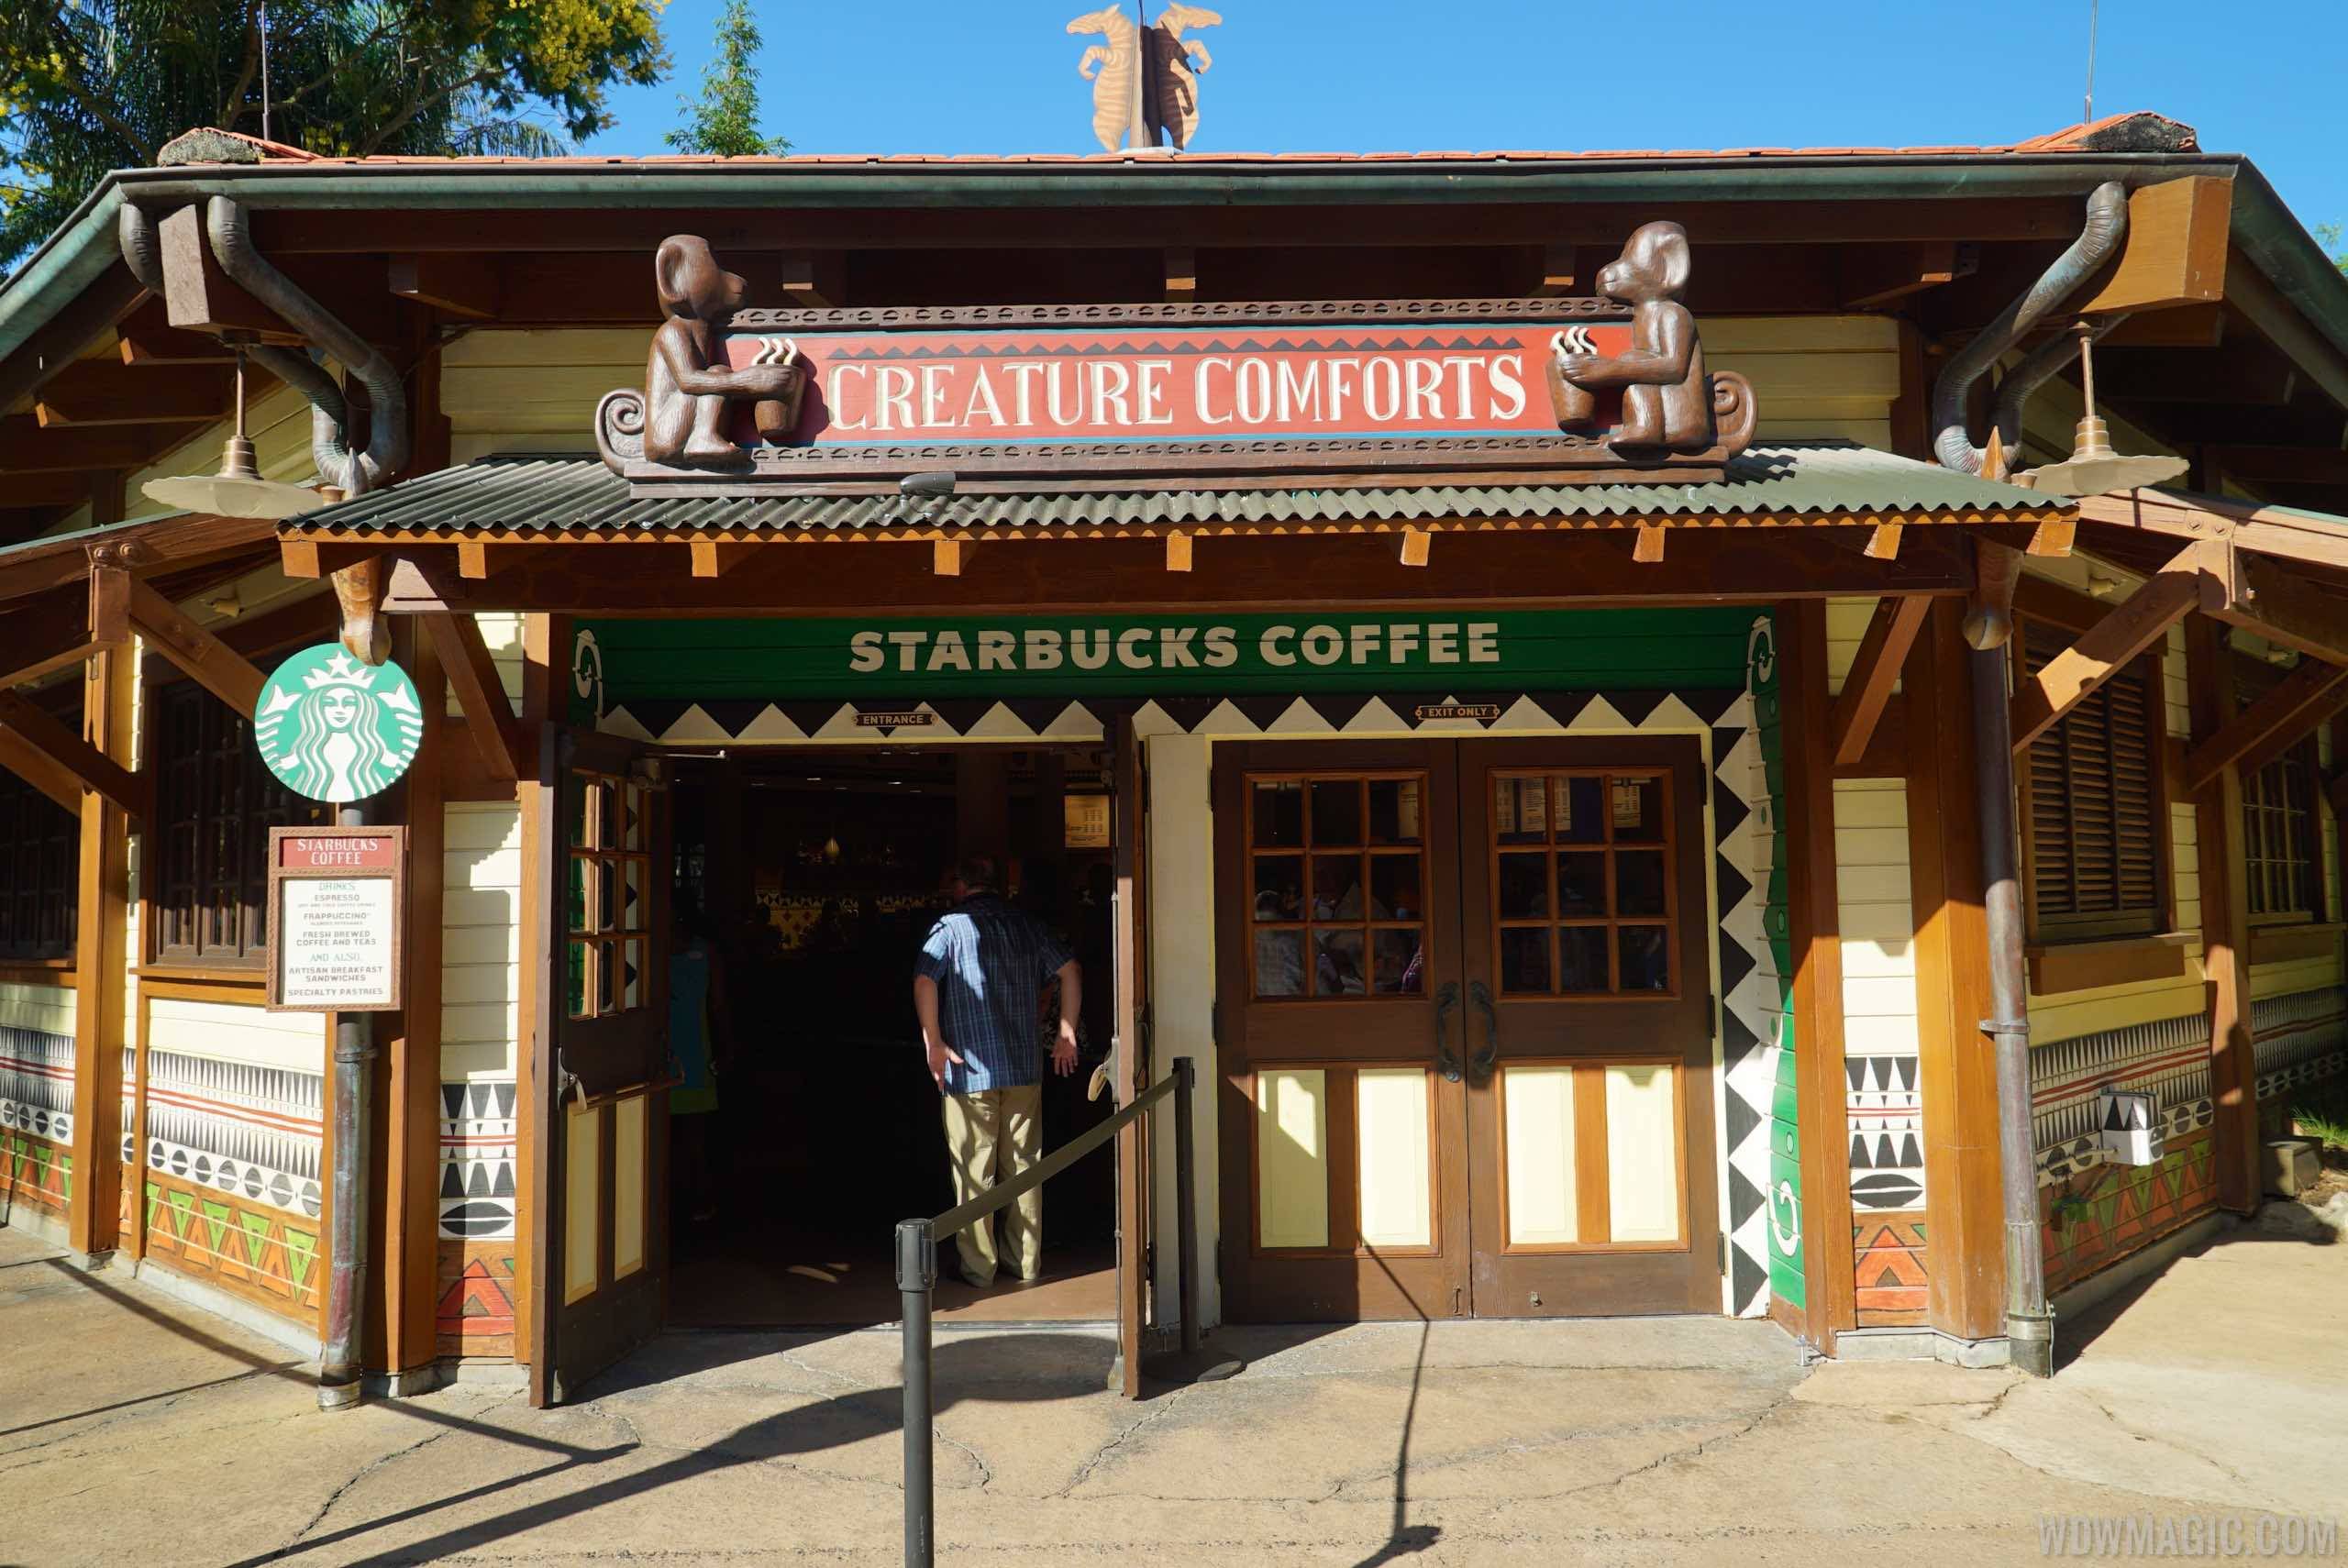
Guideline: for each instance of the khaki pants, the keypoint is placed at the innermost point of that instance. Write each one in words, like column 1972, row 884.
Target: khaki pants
column 991, row 1133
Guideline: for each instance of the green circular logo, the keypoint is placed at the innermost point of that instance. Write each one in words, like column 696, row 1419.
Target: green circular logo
column 335, row 729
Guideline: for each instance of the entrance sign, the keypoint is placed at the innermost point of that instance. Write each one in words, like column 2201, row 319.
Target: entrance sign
column 1444, row 655
column 336, row 904
column 1595, row 388
column 333, row 729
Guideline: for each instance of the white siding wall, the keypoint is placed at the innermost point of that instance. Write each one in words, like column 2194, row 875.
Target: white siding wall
column 46, row 1008
column 1878, row 925
column 228, row 1032
column 481, row 955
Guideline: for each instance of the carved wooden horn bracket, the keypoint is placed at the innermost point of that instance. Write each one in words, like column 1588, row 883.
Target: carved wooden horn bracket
column 358, row 590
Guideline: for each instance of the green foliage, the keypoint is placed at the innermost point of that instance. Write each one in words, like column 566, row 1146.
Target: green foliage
column 2324, row 1116
column 2328, row 236
column 91, row 85
column 724, row 123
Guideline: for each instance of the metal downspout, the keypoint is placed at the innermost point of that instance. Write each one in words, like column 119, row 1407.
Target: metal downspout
column 339, row 1372
column 230, row 237
column 2107, row 226
column 2028, row 1324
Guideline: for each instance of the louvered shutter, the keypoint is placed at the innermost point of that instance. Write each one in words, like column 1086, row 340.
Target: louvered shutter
column 2094, row 816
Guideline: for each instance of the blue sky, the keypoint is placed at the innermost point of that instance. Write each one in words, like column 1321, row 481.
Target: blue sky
column 2258, row 77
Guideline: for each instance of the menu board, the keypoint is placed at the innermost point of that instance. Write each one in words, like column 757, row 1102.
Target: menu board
column 336, row 897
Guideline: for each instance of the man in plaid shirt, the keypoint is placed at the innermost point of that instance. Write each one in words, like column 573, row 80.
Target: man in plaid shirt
column 977, row 987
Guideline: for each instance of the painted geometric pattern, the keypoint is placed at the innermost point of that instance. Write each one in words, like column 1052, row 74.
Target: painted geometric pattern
column 2168, row 1059
column 1893, row 1280
column 37, row 1083
column 34, row 1170
column 1764, row 1195
column 475, row 1318
column 2298, row 1039
column 251, row 1131
column 476, row 1161
column 2099, row 1215
column 253, row 1249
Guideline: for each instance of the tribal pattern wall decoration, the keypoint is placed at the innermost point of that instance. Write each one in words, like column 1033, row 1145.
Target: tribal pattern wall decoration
column 236, row 1128
column 1766, row 1081
column 2101, row 1214
column 2168, row 1058
column 257, row 1249
column 477, row 1184
column 475, row 1318
column 1893, row 1265
column 1886, row 1108
column 37, row 1083
column 2298, row 1040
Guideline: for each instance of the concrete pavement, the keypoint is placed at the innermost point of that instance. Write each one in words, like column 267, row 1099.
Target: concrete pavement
column 133, row 1427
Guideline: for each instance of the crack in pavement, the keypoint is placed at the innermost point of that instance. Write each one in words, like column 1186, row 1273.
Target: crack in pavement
column 378, row 1463
column 1084, row 1472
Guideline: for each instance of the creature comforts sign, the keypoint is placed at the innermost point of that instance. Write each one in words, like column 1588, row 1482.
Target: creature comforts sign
column 740, row 400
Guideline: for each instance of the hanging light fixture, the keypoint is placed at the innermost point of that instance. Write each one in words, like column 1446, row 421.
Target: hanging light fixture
column 2093, row 467
column 237, row 489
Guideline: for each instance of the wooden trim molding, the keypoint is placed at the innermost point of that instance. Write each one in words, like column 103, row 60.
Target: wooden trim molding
column 2134, row 625
column 2294, row 943
column 2059, row 966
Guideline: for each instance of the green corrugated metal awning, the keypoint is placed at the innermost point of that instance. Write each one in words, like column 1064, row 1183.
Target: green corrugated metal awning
column 528, row 495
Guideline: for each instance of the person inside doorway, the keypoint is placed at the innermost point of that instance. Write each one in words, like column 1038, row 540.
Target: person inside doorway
column 979, row 983
column 700, row 1031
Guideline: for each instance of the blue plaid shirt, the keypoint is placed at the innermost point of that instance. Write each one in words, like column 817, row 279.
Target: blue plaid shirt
column 990, row 964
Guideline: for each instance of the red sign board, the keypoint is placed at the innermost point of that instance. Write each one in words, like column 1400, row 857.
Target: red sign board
column 339, row 851
column 1185, row 384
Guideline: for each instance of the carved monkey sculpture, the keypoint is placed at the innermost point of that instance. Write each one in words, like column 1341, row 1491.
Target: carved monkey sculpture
column 1669, row 403
column 687, row 380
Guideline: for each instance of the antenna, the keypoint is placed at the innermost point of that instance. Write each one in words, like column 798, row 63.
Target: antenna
column 2093, row 5
column 264, row 72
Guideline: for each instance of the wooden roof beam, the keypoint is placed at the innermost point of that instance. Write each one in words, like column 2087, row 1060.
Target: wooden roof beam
column 1873, row 276
column 97, row 392
column 2260, row 733
column 2135, row 623
column 462, row 285
column 39, row 770
column 1866, row 690
column 90, row 768
column 26, row 448
column 2267, row 597
column 472, row 676
column 209, row 662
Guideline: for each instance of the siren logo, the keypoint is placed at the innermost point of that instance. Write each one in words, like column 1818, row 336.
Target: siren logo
column 333, row 729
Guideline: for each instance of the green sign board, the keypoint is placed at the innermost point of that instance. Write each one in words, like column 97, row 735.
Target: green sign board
column 1436, row 650
column 333, row 729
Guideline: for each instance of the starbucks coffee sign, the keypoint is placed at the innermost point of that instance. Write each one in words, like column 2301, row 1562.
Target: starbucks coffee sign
column 336, row 906
column 337, row 730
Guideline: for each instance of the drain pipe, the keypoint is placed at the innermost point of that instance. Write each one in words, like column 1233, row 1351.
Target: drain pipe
column 230, row 234
column 2028, row 1323
column 330, row 415
column 2107, row 226
column 340, row 1381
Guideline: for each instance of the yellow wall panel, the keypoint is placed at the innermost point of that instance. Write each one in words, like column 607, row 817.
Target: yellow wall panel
column 1539, row 1137
column 1292, row 1158
column 1396, row 1169
column 1641, row 1153
column 582, row 1162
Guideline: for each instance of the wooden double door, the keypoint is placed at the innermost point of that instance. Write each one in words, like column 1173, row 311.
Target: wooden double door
column 1464, row 1023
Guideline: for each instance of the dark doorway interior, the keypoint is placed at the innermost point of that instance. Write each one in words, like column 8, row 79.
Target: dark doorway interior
column 813, row 877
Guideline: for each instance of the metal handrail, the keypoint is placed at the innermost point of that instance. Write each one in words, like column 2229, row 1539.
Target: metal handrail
column 917, row 1276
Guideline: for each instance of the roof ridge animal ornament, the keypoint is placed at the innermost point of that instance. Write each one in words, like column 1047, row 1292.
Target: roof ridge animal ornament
column 680, row 417
column 1144, row 90
column 1670, row 403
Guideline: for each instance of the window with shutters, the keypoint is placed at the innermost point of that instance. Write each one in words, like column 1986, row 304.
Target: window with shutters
column 215, row 803
column 2280, row 835
column 2092, row 805
column 39, row 853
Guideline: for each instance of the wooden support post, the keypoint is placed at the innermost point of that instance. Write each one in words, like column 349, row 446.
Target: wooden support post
column 2225, row 925
column 1178, row 552
column 1956, row 1070
column 101, row 970
column 404, row 1307
column 1830, row 1281
column 1866, row 690
column 1646, row 545
column 91, row 768
column 465, row 663
column 2261, row 732
column 2134, row 625
column 211, row 663
column 2270, row 598
column 546, row 665
column 946, row 556
column 1410, row 548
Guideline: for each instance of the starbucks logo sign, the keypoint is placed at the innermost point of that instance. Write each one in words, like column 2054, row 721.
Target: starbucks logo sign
column 333, row 729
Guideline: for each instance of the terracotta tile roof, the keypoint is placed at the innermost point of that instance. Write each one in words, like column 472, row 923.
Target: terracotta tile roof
column 2132, row 132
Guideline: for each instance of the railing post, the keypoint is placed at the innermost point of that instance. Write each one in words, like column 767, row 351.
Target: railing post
column 916, row 1274
column 1186, row 1204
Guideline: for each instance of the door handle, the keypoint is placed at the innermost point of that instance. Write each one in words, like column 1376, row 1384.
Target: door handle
column 1481, row 1065
column 1446, row 1061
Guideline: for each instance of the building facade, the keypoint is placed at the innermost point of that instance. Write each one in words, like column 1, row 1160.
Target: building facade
column 1561, row 840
